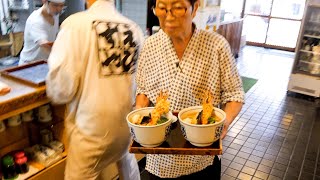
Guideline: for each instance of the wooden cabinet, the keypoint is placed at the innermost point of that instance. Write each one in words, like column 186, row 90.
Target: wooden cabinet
column 21, row 99
column 232, row 31
column 53, row 172
column 12, row 42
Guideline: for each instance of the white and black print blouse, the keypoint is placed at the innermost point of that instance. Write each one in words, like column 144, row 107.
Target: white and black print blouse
column 207, row 64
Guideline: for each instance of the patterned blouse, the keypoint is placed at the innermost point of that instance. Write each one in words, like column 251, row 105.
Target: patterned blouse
column 207, row 65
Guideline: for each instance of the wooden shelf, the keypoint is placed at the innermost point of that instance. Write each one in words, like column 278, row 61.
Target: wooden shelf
column 53, row 172
column 27, row 134
column 299, row 71
column 305, row 51
column 313, row 22
column 24, row 109
column 315, row 5
column 21, row 98
column 312, row 36
column 13, row 138
column 4, row 44
column 308, row 62
column 309, row 52
column 36, row 169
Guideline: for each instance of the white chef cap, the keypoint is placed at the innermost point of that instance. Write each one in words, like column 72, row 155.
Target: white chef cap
column 57, row 1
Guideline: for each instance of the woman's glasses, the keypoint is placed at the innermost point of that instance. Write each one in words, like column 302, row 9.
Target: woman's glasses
column 175, row 11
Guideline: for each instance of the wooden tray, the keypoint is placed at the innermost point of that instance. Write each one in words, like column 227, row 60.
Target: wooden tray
column 32, row 73
column 176, row 144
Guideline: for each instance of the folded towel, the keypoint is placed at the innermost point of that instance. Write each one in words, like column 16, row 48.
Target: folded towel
column 4, row 88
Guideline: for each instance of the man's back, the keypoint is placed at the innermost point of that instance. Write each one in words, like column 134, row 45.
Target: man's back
column 91, row 70
column 100, row 51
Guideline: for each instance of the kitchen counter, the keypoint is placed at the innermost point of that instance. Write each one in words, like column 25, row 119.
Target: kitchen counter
column 21, row 98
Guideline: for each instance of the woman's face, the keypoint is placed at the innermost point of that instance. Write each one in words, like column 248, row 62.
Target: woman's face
column 175, row 16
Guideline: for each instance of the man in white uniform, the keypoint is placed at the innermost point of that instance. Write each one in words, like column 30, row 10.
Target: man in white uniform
column 41, row 30
column 91, row 71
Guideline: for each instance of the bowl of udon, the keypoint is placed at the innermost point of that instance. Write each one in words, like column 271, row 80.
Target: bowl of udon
column 148, row 132
column 201, row 128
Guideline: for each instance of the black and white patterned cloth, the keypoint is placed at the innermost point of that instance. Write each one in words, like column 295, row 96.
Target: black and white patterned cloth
column 117, row 48
column 207, row 64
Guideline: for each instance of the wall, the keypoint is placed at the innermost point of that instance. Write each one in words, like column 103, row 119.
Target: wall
column 73, row 6
column 136, row 10
column 23, row 15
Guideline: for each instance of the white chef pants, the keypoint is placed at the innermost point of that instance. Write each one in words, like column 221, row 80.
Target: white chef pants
column 88, row 156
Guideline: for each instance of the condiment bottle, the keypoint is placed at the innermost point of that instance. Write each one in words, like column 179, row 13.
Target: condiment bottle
column 8, row 168
column 21, row 165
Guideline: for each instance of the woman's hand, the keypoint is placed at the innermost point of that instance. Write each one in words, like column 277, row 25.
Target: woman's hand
column 231, row 109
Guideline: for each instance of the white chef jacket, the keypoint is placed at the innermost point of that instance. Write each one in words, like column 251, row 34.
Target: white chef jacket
column 37, row 30
column 98, row 94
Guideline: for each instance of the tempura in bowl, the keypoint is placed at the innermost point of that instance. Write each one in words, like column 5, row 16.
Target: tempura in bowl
column 150, row 126
column 202, row 125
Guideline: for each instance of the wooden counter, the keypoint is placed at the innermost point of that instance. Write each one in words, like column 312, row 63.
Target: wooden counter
column 232, row 31
column 21, row 98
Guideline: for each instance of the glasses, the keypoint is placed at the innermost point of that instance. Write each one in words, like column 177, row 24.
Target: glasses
column 175, row 11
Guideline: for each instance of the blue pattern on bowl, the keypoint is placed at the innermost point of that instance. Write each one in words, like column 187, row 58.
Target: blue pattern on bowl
column 183, row 132
column 218, row 131
column 132, row 134
column 168, row 130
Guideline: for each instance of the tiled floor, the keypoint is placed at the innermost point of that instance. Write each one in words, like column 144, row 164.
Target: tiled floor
column 276, row 135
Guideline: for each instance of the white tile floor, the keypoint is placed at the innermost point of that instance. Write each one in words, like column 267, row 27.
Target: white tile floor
column 275, row 136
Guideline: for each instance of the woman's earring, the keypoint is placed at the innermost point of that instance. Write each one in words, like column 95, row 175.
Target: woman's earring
column 154, row 11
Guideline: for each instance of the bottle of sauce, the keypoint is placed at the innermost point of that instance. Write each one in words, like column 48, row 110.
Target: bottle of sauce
column 8, row 168
column 21, row 163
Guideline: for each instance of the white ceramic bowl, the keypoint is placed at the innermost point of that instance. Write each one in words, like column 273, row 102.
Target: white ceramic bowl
column 148, row 136
column 201, row 135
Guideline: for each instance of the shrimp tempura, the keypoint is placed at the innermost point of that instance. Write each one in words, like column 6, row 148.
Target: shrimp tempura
column 162, row 107
column 207, row 108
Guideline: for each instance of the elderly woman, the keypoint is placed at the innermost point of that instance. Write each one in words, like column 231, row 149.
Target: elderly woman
column 187, row 62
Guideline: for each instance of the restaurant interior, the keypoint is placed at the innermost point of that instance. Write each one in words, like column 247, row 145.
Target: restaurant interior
column 274, row 43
